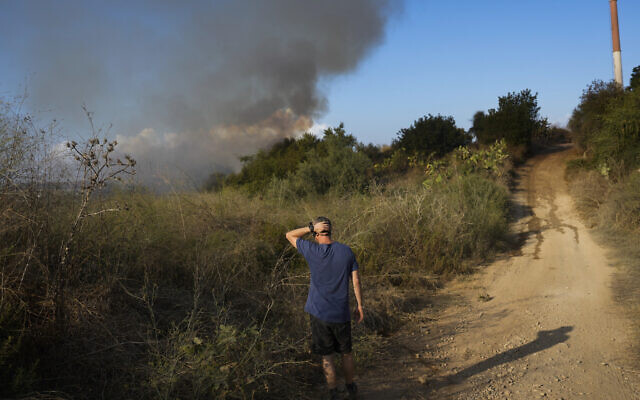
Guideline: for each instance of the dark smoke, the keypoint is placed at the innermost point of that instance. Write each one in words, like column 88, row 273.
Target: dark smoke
column 192, row 85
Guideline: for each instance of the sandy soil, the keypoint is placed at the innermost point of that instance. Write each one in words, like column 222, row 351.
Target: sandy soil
column 539, row 323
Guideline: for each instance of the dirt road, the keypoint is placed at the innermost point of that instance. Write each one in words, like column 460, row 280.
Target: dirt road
column 540, row 323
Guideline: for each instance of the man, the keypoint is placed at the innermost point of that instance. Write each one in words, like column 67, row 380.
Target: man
column 331, row 264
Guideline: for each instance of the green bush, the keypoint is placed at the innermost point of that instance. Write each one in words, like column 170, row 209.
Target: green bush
column 306, row 166
column 606, row 124
column 340, row 169
column 634, row 82
column 431, row 135
column 517, row 120
column 259, row 169
column 617, row 143
column 587, row 118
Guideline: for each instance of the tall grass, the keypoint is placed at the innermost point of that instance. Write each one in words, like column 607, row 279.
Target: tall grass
column 195, row 295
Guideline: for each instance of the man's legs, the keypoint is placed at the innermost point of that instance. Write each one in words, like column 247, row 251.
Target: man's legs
column 347, row 366
column 329, row 368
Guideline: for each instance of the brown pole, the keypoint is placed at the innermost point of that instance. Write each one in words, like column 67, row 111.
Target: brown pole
column 615, row 33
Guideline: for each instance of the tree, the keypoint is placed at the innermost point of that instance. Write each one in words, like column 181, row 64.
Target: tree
column 616, row 145
column 278, row 161
column 430, row 134
column 517, row 120
column 336, row 164
column 635, row 78
column 586, row 120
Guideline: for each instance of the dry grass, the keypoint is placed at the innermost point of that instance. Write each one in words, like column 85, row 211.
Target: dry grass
column 613, row 209
column 195, row 295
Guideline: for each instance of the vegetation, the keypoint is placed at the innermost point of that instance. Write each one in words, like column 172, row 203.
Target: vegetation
column 605, row 180
column 110, row 291
column 517, row 120
column 606, row 125
column 586, row 121
column 431, row 135
column 634, row 83
column 304, row 166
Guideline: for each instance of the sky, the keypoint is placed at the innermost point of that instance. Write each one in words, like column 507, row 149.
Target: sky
column 457, row 57
column 191, row 88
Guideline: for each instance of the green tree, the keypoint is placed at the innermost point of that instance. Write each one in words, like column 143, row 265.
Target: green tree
column 278, row 161
column 431, row 134
column 517, row 120
column 587, row 118
column 616, row 146
column 334, row 165
column 635, row 78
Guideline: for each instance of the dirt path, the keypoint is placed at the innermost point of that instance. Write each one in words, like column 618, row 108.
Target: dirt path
column 541, row 323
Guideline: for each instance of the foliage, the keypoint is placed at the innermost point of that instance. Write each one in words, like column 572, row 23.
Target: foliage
column 622, row 206
column 437, row 135
column 397, row 162
column 334, row 165
column 17, row 364
column 587, row 118
column 634, row 82
column 277, row 162
column 617, row 144
column 308, row 166
column 437, row 228
column 606, row 124
column 492, row 162
column 517, row 120
column 194, row 367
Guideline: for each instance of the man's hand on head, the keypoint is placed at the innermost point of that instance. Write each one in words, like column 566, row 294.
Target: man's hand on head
column 321, row 226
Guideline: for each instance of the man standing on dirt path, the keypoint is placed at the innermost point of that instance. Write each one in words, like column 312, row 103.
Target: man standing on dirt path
column 331, row 264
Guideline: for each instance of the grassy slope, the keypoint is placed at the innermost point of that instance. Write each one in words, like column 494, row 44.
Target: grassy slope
column 194, row 295
column 613, row 210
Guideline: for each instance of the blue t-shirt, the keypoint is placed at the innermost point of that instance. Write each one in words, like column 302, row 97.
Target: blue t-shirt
column 331, row 266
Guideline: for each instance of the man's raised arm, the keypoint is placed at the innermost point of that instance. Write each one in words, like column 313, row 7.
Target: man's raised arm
column 294, row 235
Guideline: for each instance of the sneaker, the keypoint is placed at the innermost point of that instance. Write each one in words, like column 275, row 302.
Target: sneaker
column 352, row 388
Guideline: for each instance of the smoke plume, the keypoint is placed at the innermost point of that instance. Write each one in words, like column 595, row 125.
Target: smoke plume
column 191, row 86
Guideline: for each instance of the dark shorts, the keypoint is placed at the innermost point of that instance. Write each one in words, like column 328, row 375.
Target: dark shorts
column 330, row 337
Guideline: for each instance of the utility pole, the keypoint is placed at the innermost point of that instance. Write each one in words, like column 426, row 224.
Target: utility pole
column 615, row 33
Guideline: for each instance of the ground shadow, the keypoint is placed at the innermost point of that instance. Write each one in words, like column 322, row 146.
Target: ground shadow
column 545, row 340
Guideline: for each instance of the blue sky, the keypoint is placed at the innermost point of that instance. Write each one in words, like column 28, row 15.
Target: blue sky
column 457, row 57
column 439, row 57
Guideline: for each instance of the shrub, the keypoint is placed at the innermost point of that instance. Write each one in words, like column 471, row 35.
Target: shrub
column 259, row 169
column 437, row 135
column 589, row 189
column 18, row 364
column 492, row 162
column 587, row 118
column 340, row 169
column 516, row 120
column 634, row 82
column 621, row 209
column 307, row 166
column 617, row 143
